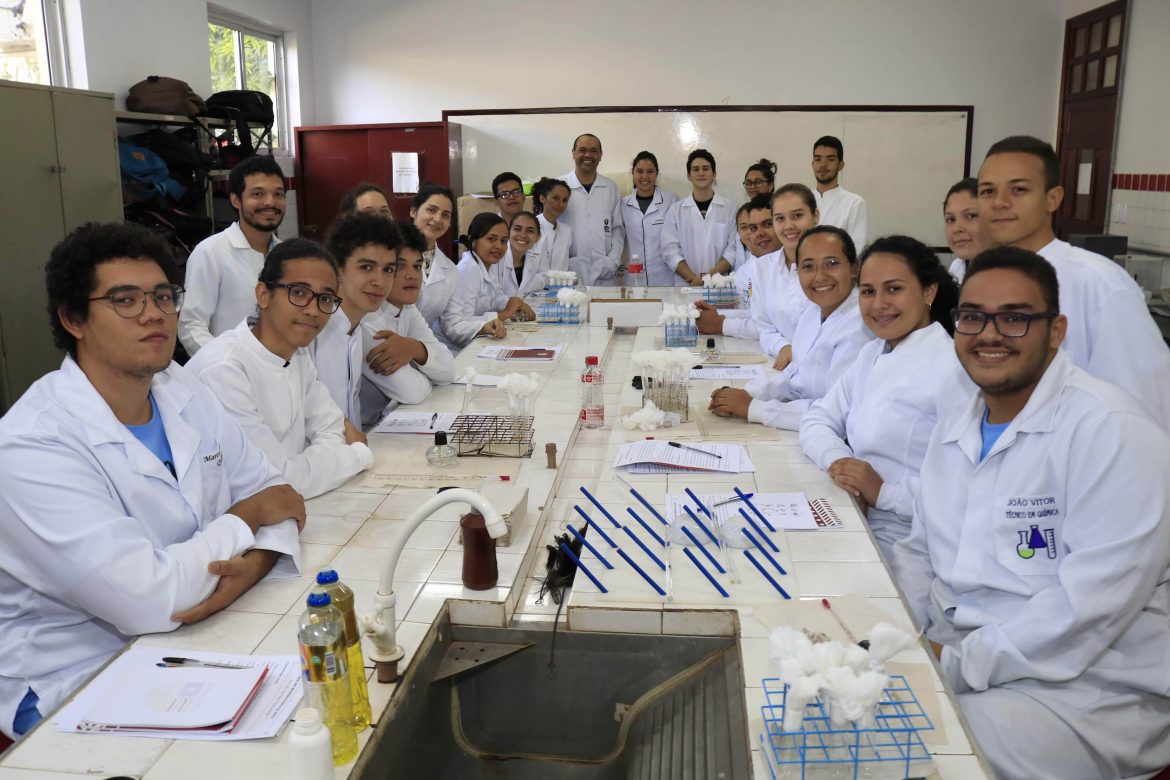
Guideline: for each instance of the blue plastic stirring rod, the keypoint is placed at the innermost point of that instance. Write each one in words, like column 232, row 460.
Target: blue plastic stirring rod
column 646, row 504
column 767, row 576
column 638, row 569
column 706, row 573
column 697, row 543
column 752, row 507
column 569, row 552
column 600, row 508
column 763, row 536
column 701, row 524
column 590, row 522
column 767, row 554
column 645, row 525
column 645, row 549
column 581, row 538
column 698, row 503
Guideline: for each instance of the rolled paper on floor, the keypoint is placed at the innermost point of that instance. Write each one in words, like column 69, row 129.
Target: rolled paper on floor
column 645, row 525
column 695, row 541
column 600, row 508
column 646, row 504
column 698, row 503
column 763, row 535
column 569, row 552
column 764, row 572
column 638, row 569
column 701, row 524
column 706, row 573
column 645, row 549
column 589, row 521
column 752, row 507
column 581, row 538
column 767, row 554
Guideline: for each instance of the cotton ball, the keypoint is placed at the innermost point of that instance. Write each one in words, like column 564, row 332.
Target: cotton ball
column 648, row 418
column 840, row 683
column 791, row 669
column 569, row 297
column 871, row 687
column 786, row 642
column 856, row 658
column 800, row 693
column 886, row 641
column 828, row 655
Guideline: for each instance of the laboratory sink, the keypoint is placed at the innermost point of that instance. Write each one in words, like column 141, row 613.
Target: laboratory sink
column 516, row 703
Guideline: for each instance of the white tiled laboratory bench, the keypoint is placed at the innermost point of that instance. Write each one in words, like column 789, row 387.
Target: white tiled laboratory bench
column 350, row 527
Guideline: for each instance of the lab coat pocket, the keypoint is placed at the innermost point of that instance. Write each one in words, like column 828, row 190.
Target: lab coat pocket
column 1028, row 534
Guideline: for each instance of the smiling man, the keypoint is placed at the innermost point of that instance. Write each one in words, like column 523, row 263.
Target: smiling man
column 595, row 215
column 1110, row 331
column 131, row 501
column 1037, row 559
column 221, row 272
column 838, row 206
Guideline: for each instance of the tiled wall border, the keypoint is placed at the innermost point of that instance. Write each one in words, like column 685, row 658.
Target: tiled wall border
column 1142, row 182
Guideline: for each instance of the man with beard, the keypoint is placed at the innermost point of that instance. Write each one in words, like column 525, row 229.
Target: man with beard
column 838, row 206
column 1037, row 559
column 132, row 500
column 222, row 269
column 595, row 215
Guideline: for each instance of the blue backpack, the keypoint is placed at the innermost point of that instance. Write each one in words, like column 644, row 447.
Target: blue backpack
column 144, row 174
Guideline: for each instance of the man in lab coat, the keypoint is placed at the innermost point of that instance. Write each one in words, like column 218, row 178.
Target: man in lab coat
column 1037, row 559
column 1110, row 331
column 132, row 502
column 838, row 206
column 594, row 214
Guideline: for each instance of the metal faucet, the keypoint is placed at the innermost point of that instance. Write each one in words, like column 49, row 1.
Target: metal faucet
column 381, row 625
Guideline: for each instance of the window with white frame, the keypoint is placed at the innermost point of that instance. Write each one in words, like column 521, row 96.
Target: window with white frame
column 244, row 56
column 30, row 42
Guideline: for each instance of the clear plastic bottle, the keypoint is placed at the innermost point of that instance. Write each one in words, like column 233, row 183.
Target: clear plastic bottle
column 592, row 395
column 441, row 454
column 635, row 273
column 343, row 599
column 321, row 631
column 309, row 747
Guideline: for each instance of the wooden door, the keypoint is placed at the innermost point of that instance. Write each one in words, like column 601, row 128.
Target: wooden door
column 1090, row 84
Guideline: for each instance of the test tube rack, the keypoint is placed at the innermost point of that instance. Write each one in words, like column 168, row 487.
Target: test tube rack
column 680, row 335
column 492, row 435
column 553, row 313
column 669, row 396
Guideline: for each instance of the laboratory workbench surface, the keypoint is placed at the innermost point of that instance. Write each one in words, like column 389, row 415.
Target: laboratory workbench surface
column 350, row 528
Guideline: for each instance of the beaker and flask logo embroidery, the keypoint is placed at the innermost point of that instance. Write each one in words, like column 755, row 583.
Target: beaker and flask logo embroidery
column 1033, row 541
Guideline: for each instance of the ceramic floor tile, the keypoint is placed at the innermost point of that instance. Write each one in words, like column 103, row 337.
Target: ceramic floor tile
column 432, row 596
column 327, row 529
column 449, row 569
column 382, row 532
column 844, row 579
column 225, row 632
column 830, row 545
column 367, row 563
column 97, row 755
column 348, row 505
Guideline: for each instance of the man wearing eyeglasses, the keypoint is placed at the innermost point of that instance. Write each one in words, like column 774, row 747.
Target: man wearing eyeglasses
column 1110, row 331
column 509, row 194
column 131, row 501
column 1037, row 559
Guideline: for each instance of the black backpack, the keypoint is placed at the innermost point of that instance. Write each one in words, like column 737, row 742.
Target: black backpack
column 244, row 106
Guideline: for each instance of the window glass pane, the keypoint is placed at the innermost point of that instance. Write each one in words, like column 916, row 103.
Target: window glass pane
column 224, row 68
column 1079, row 42
column 260, row 70
column 1091, row 73
column 24, row 52
column 1096, row 36
column 1110, row 78
column 1077, row 79
column 1114, row 31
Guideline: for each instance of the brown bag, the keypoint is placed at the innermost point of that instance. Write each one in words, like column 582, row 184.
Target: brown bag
column 164, row 95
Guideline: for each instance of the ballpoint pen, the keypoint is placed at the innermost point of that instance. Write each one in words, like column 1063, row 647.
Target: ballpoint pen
column 694, row 449
column 171, row 660
column 434, row 417
column 732, row 500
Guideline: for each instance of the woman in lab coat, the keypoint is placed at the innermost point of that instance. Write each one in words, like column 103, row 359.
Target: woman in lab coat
column 550, row 198
column 264, row 376
column 432, row 211
column 644, row 214
column 480, row 306
column 523, row 268
column 698, row 236
column 828, row 337
column 777, row 297
column 760, row 178
column 961, row 220
column 871, row 429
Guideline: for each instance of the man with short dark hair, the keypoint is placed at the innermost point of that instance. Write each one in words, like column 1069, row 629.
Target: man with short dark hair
column 132, row 501
column 594, row 214
column 1110, row 331
column 1037, row 559
column 838, row 206
column 508, row 191
column 222, row 269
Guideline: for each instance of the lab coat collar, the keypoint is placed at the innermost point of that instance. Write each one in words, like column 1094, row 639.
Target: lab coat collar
column 265, row 357
column 438, row 268
column 575, row 184
column 235, row 236
column 655, row 202
column 1037, row 416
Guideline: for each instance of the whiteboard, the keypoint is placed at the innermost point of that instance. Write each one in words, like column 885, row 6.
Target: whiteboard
column 901, row 161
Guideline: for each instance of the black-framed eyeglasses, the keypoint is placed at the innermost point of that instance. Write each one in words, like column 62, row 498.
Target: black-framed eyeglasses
column 1012, row 324
column 130, row 302
column 299, row 295
column 516, row 193
column 755, row 183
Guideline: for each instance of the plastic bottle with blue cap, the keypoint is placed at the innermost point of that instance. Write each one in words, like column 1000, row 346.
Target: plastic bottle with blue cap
column 343, row 599
column 325, row 669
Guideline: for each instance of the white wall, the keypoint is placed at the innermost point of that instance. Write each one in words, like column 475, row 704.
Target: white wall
column 408, row 61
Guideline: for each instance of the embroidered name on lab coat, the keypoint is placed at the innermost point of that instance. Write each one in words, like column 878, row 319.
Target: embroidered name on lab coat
column 214, row 457
column 1025, row 533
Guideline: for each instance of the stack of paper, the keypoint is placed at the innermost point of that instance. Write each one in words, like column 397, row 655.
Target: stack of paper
column 400, row 421
column 723, row 373
column 498, row 352
column 661, row 457
column 785, row 511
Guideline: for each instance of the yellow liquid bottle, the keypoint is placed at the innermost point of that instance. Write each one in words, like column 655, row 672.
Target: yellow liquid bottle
column 325, row 666
column 343, row 599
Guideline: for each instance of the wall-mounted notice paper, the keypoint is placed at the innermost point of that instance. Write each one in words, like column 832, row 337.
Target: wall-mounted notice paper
column 405, row 171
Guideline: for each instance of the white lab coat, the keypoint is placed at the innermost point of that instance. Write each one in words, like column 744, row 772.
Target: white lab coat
column 701, row 241
column 1110, row 331
column 738, row 323
column 412, row 383
column 555, row 244
column 847, row 210
column 1072, row 639
column 283, row 408
column 100, row 542
column 882, row 411
column 478, row 299
column 821, row 353
column 538, row 261
column 778, row 300
column 644, row 235
column 439, row 284
column 598, row 235
column 337, row 354
column 958, row 269
column 221, row 286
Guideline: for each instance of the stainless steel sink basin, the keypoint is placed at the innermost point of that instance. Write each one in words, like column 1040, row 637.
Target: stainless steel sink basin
column 486, row 703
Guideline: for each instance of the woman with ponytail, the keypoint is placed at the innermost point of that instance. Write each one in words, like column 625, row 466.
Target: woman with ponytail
column 871, row 429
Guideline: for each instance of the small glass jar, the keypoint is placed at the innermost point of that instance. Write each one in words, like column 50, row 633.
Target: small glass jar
column 441, row 455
